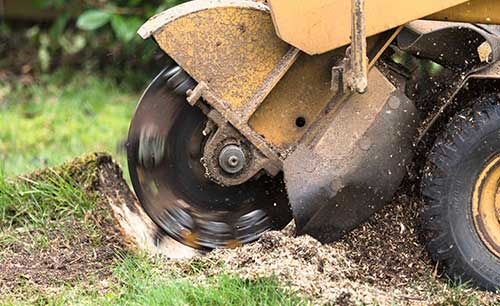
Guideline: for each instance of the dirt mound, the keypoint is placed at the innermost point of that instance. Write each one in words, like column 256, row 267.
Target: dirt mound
column 376, row 262
column 382, row 262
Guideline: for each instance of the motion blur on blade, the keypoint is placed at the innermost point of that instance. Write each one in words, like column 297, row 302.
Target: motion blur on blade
column 298, row 109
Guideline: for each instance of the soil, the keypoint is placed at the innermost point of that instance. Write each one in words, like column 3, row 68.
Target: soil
column 73, row 253
column 64, row 262
column 381, row 262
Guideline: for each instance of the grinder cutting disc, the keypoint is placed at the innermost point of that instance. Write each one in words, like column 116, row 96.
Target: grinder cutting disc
column 165, row 149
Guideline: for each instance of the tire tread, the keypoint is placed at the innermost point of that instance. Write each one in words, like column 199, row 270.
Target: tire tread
column 442, row 159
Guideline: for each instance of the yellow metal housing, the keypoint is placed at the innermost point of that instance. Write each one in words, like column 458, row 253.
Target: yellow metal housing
column 318, row 26
column 229, row 45
column 475, row 11
column 261, row 84
column 302, row 94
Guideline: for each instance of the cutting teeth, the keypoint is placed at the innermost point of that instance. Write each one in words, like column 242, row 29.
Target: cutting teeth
column 252, row 224
column 233, row 244
column 177, row 222
column 151, row 147
column 213, row 234
column 140, row 175
column 189, row 238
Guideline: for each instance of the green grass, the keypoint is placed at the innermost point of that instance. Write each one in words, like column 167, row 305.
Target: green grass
column 460, row 294
column 61, row 117
column 29, row 203
column 138, row 280
column 35, row 209
column 144, row 286
column 221, row 290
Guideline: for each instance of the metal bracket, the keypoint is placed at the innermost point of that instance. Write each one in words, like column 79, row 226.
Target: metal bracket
column 353, row 72
column 227, row 135
column 222, row 115
column 194, row 95
column 222, row 130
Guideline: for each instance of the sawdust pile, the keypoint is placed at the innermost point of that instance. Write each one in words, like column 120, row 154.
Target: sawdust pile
column 382, row 262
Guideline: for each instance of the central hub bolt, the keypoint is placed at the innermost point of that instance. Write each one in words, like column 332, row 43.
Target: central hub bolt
column 232, row 159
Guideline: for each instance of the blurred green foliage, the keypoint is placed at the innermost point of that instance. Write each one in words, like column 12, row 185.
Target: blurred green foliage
column 90, row 33
column 65, row 114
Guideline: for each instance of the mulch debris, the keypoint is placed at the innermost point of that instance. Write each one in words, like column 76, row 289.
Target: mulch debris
column 382, row 262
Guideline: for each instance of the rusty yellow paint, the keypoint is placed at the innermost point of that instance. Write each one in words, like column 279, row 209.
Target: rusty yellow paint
column 318, row 26
column 303, row 92
column 474, row 11
column 232, row 49
column 486, row 206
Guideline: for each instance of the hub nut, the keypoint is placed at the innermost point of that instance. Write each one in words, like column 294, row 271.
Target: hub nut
column 232, row 159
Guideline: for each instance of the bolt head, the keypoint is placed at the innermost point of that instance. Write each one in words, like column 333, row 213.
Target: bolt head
column 232, row 159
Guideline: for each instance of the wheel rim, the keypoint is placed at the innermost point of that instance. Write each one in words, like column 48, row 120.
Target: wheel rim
column 486, row 205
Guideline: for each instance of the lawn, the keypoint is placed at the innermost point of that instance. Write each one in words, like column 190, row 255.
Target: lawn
column 58, row 245
column 62, row 116
column 53, row 217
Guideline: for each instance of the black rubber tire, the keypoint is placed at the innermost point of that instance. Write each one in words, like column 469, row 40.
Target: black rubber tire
column 454, row 163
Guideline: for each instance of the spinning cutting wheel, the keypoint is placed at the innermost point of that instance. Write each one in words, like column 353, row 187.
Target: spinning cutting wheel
column 165, row 155
column 280, row 91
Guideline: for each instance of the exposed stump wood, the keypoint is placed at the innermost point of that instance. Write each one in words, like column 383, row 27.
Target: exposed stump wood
column 98, row 173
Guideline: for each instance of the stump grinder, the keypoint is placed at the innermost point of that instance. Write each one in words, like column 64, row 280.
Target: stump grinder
column 316, row 111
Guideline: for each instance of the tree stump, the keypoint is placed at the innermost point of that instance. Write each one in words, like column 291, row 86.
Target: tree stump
column 98, row 173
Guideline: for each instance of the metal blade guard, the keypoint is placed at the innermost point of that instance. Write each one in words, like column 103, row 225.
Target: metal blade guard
column 351, row 164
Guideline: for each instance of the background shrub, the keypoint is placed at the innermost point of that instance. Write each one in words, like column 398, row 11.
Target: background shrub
column 95, row 35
